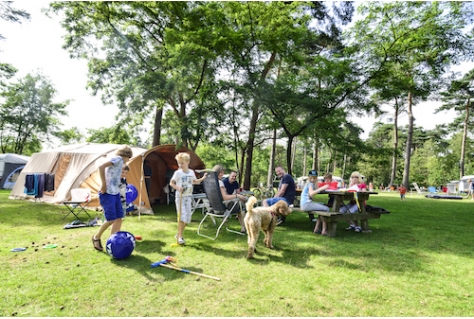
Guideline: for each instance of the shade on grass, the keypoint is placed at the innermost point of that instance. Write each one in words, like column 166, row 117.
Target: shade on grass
column 416, row 262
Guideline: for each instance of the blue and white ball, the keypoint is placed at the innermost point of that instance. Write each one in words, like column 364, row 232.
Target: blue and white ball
column 120, row 245
column 131, row 193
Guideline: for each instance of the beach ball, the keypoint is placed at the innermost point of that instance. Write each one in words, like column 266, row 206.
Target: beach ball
column 131, row 193
column 120, row 245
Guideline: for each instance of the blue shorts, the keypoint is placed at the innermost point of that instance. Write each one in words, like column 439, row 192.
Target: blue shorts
column 273, row 201
column 112, row 206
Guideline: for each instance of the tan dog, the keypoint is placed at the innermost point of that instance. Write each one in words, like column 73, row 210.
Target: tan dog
column 262, row 218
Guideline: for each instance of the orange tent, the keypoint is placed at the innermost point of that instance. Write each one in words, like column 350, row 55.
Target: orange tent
column 77, row 166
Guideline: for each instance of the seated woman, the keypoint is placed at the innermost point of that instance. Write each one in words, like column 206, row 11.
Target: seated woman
column 307, row 203
column 356, row 185
column 226, row 196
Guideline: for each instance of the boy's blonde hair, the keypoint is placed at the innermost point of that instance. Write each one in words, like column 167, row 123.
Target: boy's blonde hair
column 125, row 150
column 183, row 157
column 125, row 168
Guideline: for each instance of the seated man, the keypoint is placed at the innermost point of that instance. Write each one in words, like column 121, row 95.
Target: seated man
column 230, row 183
column 226, row 196
column 286, row 191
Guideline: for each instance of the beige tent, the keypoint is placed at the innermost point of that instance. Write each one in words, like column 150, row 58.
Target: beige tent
column 77, row 166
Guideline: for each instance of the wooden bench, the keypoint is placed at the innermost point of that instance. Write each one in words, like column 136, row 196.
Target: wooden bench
column 333, row 217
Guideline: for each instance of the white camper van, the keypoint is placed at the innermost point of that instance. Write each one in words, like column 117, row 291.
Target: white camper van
column 463, row 185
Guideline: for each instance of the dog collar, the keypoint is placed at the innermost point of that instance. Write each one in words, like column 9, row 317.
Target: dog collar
column 272, row 213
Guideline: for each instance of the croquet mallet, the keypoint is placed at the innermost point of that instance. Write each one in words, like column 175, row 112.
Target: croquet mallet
column 179, row 219
column 168, row 259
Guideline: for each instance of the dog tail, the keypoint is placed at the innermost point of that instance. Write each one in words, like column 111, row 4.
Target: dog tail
column 250, row 203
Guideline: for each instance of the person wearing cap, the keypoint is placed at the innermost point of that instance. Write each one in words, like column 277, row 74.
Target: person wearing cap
column 307, row 203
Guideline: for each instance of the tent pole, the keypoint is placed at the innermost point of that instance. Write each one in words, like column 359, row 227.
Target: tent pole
column 140, row 190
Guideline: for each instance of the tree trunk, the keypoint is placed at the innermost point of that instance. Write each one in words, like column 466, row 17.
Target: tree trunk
column 316, row 165
column 393, row 175
column 241, row 168
column 288, row 154
column 293, row 155
column 464, row 138
column 253, row 127
column 406, row 170
column 250, row 143
column 157, row 126
column 344, row 165
column 305, row 154
column 272, row 159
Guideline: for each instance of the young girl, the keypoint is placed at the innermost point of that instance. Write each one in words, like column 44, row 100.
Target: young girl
column 182, row 181
column 355, row 185
column 307, row 203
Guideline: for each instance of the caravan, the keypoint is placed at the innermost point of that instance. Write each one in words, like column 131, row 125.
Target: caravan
column 463, row 185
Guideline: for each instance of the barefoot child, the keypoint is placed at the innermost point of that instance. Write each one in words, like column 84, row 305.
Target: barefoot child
column 182, row 181
column 109, row 194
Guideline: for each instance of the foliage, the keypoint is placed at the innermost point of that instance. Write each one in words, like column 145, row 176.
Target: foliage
column 458, row 96
column 9, row 13
column 212, row 155
column 226, row 74
column 70, row 136
column 412, row 43
column 113, row 135
column 29, row 115
column 157, row 54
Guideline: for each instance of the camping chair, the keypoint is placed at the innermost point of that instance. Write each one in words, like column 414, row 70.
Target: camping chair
column 170, row 194
column 217, row 208
column 80, row 198
column 432, row 190
column 418, row 190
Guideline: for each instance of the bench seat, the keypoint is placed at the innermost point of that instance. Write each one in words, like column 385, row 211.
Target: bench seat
column 333, row 217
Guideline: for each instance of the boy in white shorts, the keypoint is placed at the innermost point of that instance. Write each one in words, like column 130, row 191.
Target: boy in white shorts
column 182, row 181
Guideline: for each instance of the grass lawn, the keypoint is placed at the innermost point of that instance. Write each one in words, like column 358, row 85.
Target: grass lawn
column 417, row 262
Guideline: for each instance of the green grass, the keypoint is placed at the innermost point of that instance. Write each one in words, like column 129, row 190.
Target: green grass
column 416, row 262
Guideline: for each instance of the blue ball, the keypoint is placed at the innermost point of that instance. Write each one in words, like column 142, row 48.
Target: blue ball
column 121, row 245
column 131, row 193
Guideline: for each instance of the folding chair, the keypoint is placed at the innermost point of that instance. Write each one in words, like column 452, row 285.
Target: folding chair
column 218, row 208
column 418, row 190
column 432, row 190
column 170, row 194
column 80, row 198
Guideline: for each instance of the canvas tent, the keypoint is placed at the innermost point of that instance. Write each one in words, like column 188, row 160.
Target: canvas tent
column 10, row 168
column 77, row 166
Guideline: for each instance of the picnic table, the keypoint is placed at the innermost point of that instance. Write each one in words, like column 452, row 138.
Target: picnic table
column 334, row 216
column 199, row 202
